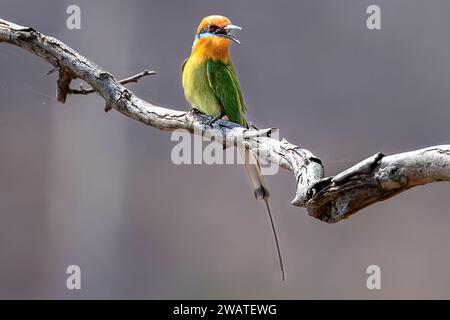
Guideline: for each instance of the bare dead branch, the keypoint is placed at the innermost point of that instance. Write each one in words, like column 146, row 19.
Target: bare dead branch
column 375, row 179
column 329, row 199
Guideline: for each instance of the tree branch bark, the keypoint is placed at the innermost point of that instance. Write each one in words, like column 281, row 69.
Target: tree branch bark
column 329, row 199
column 134, row 78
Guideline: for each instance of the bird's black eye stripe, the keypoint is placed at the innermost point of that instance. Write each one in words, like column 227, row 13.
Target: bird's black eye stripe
column 210, row 28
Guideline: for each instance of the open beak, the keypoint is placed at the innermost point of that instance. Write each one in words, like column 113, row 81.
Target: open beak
column 226, row 30
column 232, row 27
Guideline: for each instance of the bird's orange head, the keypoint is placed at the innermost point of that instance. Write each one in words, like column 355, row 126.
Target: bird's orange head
column 213, row 33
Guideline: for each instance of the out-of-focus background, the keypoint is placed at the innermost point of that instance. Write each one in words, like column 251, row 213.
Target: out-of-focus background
column 78, row 186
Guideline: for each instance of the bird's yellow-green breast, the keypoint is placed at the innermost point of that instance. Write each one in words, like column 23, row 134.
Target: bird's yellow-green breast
column 197, row 88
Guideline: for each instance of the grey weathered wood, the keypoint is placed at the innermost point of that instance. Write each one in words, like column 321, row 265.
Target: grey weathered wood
column 377, row 178
column 329, row 199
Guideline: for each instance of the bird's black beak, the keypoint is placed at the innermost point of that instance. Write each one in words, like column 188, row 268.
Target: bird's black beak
column 225, row 32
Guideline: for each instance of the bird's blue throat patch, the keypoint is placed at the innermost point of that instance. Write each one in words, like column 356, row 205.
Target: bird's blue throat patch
column 204, row 34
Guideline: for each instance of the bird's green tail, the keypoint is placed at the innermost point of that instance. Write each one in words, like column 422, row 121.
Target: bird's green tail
column 261, row 192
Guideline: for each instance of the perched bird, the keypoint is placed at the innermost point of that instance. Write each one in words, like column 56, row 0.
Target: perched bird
column 211, row 86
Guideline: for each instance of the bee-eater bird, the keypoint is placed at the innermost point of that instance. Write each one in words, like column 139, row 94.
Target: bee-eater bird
column 211, row 86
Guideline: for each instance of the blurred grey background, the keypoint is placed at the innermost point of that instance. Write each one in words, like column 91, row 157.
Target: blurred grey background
column 78, row 186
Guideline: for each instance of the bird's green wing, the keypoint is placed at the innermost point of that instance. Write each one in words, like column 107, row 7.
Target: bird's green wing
column 233, row 74
column 224, row 83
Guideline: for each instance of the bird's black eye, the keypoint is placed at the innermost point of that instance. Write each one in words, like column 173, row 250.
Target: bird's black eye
column 212, row 28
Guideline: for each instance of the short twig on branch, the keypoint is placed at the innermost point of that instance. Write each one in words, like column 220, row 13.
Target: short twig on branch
column 329, row 199
column 134, row 78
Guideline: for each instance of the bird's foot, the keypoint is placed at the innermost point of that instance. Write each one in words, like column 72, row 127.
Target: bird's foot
column 194, row 112
column 211, row 121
